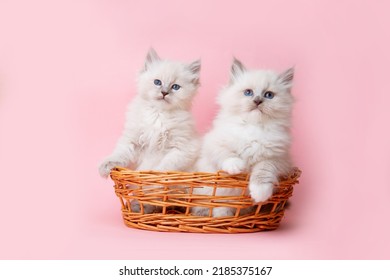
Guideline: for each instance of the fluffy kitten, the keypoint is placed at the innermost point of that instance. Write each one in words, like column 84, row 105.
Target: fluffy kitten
column 250, row 133
column 159, row 132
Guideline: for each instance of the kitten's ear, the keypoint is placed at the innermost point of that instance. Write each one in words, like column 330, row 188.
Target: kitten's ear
column 286, row 77
column 151, row 57
column 195, row 69
column 236, row 70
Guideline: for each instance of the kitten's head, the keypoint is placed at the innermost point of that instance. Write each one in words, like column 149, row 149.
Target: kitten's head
column 257, row 94
column 168, row 84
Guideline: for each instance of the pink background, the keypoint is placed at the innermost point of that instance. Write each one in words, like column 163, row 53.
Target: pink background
column 68, row 69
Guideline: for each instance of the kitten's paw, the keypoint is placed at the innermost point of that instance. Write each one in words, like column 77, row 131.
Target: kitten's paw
column 223, row 212
column 106, row 166
column 233, row 166
column 260, row 192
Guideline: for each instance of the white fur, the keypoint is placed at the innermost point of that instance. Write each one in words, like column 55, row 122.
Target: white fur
column 159, row 132
column 249, row 138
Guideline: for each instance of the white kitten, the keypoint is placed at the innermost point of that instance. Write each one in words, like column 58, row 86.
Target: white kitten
column 159, row 133
column 250, row 133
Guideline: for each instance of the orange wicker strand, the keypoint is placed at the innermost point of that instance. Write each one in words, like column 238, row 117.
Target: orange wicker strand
column 173, row 192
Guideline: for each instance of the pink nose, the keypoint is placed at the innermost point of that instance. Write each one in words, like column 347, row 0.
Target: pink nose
column 164, row 93
column 257, row 101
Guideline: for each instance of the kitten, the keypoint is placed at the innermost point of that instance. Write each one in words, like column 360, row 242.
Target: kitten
column 250, row 133
column 159, row 132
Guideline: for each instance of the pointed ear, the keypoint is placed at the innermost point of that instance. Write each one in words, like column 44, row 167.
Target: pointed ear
column 195, row 69
column 286, row 77
column 236, row 70
column 151, row 57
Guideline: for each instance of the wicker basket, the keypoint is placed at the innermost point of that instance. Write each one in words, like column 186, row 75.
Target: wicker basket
column 174, row 195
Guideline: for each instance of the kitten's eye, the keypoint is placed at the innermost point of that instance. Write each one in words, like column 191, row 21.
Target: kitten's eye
column 176, row 87
column 248, row 92
column 269, row 94
column 157, row 82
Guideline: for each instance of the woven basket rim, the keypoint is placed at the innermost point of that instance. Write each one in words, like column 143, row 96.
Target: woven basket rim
column 294, row 174
column 150, row 171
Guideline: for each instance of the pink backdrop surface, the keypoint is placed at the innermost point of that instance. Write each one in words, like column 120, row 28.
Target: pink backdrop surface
column 68, row 69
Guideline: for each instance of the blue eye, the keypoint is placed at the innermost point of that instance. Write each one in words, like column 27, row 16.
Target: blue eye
column 176, row 87
column 248, row 92
column 157, row 82
column 269, row 94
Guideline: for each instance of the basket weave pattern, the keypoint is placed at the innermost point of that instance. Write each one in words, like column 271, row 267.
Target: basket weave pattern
column 173, row 193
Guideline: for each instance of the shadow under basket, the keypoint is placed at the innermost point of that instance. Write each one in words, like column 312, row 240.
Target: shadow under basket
column 172, row 194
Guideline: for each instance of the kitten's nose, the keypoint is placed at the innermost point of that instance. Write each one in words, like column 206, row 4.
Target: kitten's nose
column 164, row 93
column 257, row 101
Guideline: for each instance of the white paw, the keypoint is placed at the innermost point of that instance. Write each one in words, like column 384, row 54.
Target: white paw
column 106, row 166
column 233, row 166
column 260, row 192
